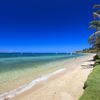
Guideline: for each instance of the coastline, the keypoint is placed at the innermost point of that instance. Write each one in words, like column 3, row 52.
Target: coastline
column 45, row 79
column 18, row 78
column 26, row 87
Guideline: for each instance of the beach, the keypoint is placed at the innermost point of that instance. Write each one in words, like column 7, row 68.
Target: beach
column 21, row 72
column 66, row 85
column 43, row 57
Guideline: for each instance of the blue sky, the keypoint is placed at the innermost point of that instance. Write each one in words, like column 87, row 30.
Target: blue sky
column 45, row 25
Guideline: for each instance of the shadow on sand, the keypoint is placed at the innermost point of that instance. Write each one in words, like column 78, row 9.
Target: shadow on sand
column 88, row 64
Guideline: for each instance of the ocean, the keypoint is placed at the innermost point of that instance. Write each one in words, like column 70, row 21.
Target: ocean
column 17, row 69
column 20, row 61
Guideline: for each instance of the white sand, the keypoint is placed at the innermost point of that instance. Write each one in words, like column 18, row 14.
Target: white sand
column 67, row 85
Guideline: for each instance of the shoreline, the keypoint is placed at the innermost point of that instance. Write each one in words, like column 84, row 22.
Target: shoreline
column 18, row 78
column 27, row 87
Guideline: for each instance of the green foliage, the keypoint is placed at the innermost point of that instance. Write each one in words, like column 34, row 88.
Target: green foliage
column 96, row 57
column 92, row 85
column 97, row 62
column 95, row 24
column 96, row 14
column 98, row 11
column 94, row 39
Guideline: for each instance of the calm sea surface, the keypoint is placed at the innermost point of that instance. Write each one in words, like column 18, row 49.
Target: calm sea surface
column 16, row 61
column 19, row 68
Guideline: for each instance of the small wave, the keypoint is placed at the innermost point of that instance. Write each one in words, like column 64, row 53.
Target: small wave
column 28, row 86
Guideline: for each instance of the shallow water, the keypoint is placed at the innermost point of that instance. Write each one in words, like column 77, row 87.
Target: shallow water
column 15, row 71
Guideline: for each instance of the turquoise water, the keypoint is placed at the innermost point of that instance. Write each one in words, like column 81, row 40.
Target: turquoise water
column 17, row 69
column 16, row 61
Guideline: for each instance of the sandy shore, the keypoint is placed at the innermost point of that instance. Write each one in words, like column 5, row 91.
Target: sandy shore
column 67, row 85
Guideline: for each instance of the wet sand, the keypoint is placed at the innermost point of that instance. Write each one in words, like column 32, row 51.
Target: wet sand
column 67, row 85
column 19, row 78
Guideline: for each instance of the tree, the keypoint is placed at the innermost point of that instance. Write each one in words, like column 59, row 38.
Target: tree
column 95, row 24
column 94, row 39
column 96, row 14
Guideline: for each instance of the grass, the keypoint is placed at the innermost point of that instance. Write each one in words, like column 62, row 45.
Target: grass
column 92, row 85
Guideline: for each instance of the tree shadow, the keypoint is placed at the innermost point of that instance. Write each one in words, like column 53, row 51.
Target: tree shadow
column 87, row 66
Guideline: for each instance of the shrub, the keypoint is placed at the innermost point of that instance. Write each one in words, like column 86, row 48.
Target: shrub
column 97, row 62
column 85, row 85
column 96, row 57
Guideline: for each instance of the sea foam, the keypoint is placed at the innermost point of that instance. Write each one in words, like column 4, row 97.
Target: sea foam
column 28, row 86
